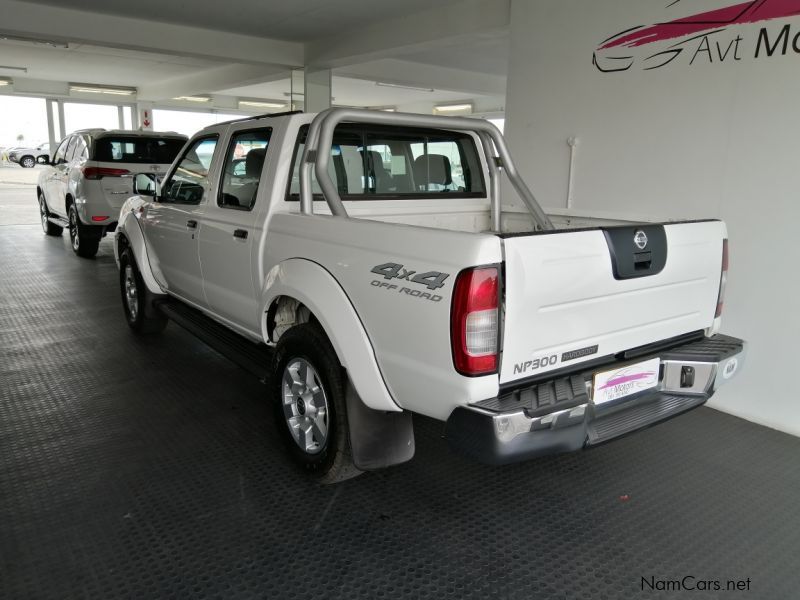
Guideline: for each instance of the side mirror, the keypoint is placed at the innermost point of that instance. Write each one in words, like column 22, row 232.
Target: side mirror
column 144, row 185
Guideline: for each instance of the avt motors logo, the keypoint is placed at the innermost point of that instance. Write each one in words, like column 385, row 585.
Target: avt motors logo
column 707, row 37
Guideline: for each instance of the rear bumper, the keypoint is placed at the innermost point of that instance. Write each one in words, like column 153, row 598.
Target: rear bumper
column 559, row 416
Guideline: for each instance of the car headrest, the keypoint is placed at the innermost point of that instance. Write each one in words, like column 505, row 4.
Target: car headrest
column 374, row 161
column 254, row 162
column 432, row 168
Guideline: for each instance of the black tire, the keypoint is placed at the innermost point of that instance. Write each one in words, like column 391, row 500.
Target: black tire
column 27, row 162
column 81, row 238
column 48, row 227
column 331, row 460
column 141, row 315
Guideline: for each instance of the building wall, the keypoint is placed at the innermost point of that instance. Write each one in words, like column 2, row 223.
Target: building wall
column 697, row 137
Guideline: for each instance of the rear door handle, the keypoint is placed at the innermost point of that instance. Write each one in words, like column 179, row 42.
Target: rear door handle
column 240, row 234
column 191, row 224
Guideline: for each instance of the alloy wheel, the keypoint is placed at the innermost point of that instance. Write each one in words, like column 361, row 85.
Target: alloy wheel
column 131, row 293
column 74, row 235
column 305, row 406
column 43, row 213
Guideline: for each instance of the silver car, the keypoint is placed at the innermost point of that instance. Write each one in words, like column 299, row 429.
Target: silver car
column 92, row 174
column 28, row 157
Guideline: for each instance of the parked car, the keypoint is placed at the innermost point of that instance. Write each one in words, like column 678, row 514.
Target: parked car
column 92, row 174
column 370, row 292
column 27, row 158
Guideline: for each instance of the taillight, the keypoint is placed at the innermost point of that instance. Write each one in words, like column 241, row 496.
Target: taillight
column 474, row 321
column 723, row 279
column 100, row 172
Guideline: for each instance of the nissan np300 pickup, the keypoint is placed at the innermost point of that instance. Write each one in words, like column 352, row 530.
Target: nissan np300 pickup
column 364, row 265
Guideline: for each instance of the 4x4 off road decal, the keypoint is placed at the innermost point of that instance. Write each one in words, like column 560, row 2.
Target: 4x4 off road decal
column 433, row 280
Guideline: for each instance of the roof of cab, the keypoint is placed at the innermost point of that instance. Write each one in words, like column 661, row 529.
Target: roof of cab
column 129, row 133
column 251, row 118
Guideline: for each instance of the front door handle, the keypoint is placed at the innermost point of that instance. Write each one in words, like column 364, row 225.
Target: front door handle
column 191, row 224
column 240, row 234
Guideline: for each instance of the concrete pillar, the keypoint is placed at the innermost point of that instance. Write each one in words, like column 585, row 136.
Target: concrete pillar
column 52, row 133
column 143, row 119
column 317, row 89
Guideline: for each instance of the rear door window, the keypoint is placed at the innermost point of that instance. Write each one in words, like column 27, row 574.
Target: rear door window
column 137, row 150
column 61, row 151
column 243, row 165
column 374, row 163
column 70, row 154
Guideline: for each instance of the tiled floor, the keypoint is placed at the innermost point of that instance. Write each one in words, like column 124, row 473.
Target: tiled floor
column 135, row 468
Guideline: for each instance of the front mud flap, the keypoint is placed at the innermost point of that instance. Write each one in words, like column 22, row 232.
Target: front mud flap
column 378, row 439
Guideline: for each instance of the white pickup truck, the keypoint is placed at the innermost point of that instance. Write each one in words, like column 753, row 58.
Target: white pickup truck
column 364, row 265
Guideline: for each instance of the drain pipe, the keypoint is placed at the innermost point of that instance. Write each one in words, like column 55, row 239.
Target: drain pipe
column 572, row 142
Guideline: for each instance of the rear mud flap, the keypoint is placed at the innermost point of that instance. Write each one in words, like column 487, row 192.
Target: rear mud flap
column 378, row 439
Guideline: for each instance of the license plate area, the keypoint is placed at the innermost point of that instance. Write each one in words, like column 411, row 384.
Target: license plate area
column 621, row 382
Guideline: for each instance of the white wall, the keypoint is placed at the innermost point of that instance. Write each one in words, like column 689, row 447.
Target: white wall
column 699, row 140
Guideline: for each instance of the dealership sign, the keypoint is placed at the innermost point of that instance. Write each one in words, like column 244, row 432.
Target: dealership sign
column 710, row 37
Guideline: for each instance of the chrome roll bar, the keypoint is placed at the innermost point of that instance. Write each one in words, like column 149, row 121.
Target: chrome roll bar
column 316, row 155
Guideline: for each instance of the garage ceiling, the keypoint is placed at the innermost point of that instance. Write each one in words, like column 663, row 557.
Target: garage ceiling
column 458, row 48
column 93, row 64
column 295, row 20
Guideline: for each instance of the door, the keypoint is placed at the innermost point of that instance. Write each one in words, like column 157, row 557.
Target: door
column 59, row 176
column 172, row 224
column 231, row 231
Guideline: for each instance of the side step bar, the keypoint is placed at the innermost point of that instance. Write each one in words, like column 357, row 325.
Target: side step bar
column 252, row 357
column 58, row 221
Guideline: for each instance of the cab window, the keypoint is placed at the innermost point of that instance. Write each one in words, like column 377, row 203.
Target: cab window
column 189, row 181
column 243, row 165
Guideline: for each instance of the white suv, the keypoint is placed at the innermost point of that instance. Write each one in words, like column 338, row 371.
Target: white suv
column 91, row 175
column 27, row 157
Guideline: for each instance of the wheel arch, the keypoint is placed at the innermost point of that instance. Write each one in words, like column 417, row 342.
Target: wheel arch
column 315, row 289
column 129, row 236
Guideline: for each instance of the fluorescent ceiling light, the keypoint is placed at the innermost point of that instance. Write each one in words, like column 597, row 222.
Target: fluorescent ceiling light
column 40, row 42
column 262, row 104
column 403, row 87
column 451, row 108
column 87, row 88
column 5, row 81
column 193, row 98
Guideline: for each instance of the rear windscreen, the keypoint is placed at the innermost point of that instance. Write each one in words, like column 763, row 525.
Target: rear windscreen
column 377, row 162
column 137, row 149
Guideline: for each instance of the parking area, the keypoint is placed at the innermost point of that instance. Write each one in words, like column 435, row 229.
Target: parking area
column 279, row 283
column 138, row 468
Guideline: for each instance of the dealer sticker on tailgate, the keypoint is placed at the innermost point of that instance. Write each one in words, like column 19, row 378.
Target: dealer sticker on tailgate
column 625, row 381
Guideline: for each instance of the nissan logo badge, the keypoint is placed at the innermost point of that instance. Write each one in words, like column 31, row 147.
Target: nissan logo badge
column 640, row 239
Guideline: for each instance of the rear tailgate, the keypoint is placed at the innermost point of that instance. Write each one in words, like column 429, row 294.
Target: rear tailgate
column 575, row 296
column 117, row 189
